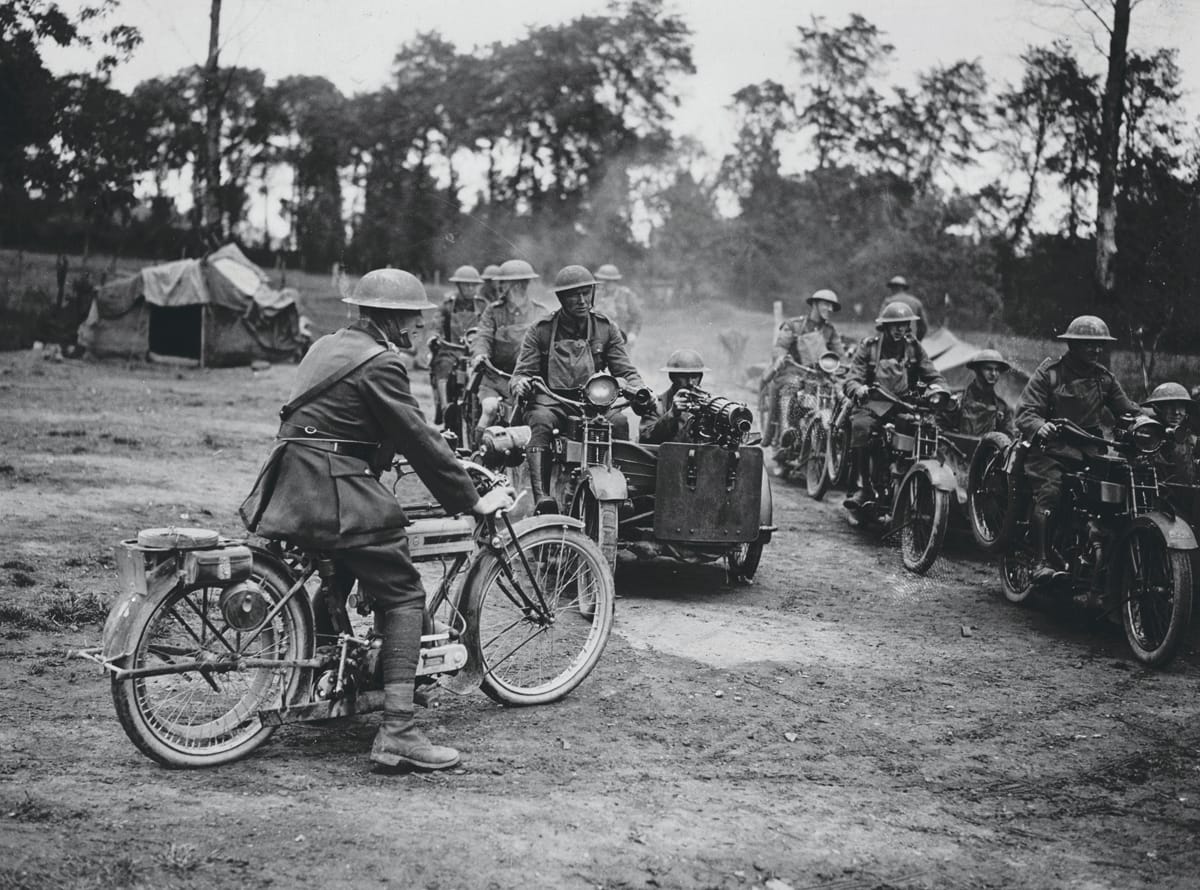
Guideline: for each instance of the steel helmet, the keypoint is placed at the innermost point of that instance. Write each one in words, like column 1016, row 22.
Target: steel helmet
column 988, row 357
column 898, row 281
column 390, row 289
column 516, row 270
column 685, row 361
column 466, row 275
column 1087, row 327
column 572, row 278
column 1168, row 392
column 827, row 295
column 897, row 312
column 490, row 271
column 608, row 272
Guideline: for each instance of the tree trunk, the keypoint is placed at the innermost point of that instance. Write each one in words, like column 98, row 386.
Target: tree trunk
column 1110, row 143
column 210, row 213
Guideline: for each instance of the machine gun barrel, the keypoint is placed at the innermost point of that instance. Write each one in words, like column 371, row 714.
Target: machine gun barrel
column 724, row 418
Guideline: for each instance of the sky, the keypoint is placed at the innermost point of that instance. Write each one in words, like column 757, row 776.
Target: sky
column 735, row 42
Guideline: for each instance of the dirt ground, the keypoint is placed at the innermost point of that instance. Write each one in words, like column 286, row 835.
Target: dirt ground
column 838, row 724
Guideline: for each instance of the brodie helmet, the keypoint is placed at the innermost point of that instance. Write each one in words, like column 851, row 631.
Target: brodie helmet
column 896, row 312
column 571, row 278
column 1168, row 392
column 685, row 361
column 898, row 281
column 1087, row 327
column 390, row 289
column 516, row 270
column 828, row 296
column 465, row 275
column 490, row 271
column 988, row 357
column 608, row 272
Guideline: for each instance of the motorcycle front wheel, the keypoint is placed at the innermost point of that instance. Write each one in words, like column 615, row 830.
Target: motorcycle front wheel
column 192, row 717
column 989, row 505
column 1016, row 574
column 816, row 467
column 837, row 451
column 743, row 560
column 1155, row 584
column 923, row 513
column 531, row 657
column 600, row 523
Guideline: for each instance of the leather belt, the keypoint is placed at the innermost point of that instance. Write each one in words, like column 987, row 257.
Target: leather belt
column 361, row 450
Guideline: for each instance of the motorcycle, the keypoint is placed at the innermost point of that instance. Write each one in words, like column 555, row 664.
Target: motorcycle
column 806, row 413
column 456, row 414
column 1119, row 543
column 694, row 501
column 213, row 642
column 913, row 485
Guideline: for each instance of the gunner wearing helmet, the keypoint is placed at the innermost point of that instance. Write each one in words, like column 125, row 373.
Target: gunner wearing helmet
column 1074, row 387
column 801, row 339
column 980, row 409
column 895, row 361
column 565, row 350
column 671, row 421
column 349, row 413
column 1173, row 408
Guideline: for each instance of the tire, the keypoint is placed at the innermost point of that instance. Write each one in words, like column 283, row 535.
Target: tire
column 816, row 466
column 923, row 513
column 1155, row 585
column 837, row 450
column 1016, row 575
column 742, row 561
column 524, row 663
column 990, row 508
column 210, row 722
column 600, row 523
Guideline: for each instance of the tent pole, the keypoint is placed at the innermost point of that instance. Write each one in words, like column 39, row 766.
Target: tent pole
column 203, row 331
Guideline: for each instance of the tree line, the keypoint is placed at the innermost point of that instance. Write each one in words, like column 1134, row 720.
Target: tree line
column 1015, row 204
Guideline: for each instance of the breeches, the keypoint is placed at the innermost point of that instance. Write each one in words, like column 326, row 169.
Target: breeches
column 1045, row 474
column 862, row 422
column 385, row 574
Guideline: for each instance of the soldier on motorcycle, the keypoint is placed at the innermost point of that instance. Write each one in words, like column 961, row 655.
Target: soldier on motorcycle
column 789, row 343
column 1172, row 407
column 565, row 350
column 502, row 329
column 671, row 419
column 1074, row 387
column 981, row 410
column 458, row 314
column 894, row 360
column 898, row 293
column 349, row 412
column 489, row 293
column 619, row 303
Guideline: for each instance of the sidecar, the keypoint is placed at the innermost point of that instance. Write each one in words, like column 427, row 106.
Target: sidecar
column 696, row 503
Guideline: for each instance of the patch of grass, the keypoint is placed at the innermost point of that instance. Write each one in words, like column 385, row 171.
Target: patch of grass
column 21, row 617
column 22, row 579
column 16, row 564
column 67, row 433
column 68, row 607
column 180, row 858
column 30, row 810
column 127, row 441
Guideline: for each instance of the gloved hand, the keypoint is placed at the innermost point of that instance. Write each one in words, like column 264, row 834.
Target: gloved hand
column 856, row 391
column 496, row 499
column 519, row 387
column 477, row 360
column 1046, row 433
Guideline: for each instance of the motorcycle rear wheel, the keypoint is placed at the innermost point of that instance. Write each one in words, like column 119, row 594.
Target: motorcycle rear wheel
column 1156, row 596
column 524, row 661
column 742, row 561
column 816, row 467
column 923, row 513
column 989, row 504
column 837, row 450
column 1016, row 575
column 190, row 719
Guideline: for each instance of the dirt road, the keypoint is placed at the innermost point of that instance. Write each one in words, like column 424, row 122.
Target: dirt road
column 837, row 724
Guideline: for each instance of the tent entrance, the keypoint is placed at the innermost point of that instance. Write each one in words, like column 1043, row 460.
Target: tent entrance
column 176, row 330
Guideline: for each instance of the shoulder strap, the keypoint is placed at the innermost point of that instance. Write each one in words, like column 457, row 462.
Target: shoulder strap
column 322, row 386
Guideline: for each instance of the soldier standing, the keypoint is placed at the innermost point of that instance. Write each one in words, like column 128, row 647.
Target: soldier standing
column 619, row 304
column 350, row 411
column 565, row 350
column 898, row 293
column 1074, row 387
column 458, row 314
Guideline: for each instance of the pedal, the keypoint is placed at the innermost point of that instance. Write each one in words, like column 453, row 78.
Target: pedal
column 441, row 659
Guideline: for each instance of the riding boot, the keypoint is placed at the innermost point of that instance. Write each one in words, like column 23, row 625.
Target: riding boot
column 398, row 741
column 1042, row 572
column 861, row 463
column 539, row 482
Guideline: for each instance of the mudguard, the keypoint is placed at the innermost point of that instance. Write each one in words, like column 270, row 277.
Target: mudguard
column 1176, row 532
column 607, row 483
column 939, row 474
column 766, row 509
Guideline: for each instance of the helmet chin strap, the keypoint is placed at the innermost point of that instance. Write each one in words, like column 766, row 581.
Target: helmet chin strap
column 401, row 335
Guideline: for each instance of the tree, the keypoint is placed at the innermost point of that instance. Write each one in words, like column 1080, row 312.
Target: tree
column 210, row 148
column 1111, row 108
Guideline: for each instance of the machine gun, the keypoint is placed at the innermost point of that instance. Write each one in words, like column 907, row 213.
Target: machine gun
column 715, row 419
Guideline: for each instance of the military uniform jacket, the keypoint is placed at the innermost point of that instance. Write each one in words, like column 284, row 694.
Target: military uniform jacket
column 622, row 306
column 606, row 344
column 327, row 501
column 1064, row 389
column 790, row 332
column 896, row 366
column 982, row 411
column 502, row 329
column 661, row 425
column 455, row 318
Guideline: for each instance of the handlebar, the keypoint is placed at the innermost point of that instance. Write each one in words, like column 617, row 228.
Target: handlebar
column 638, row 398
column 436, row 342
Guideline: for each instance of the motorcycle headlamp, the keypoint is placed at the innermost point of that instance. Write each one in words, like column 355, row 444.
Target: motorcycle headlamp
column 828, row 362
column 1147, row 435
column 602, row 390
column 244, row 606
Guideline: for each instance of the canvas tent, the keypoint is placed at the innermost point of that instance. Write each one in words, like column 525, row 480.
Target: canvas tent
column 950, row 356
column 218, row 311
